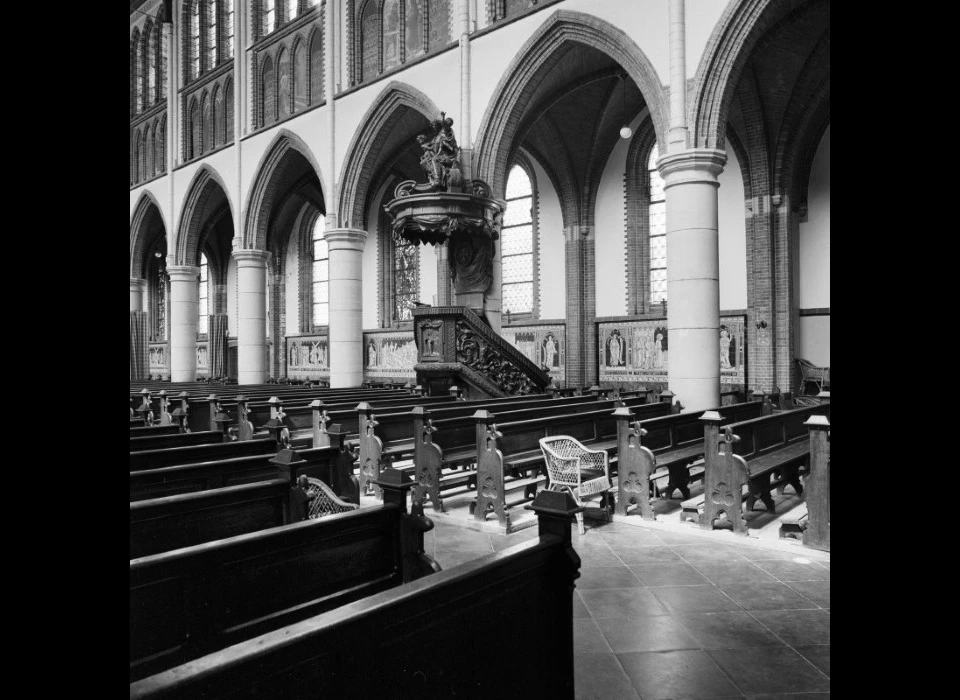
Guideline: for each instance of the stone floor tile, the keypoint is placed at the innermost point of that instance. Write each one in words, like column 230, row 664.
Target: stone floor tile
column 765, row 595
column 727, row 630
column 797, row 627
column 668, row 574
column 695, row 553
column 601, row 677
column 795, row 571
column 815, row 591
column 676, row 674
column 587, row 638
column 645, row 555
column 621, row 602
column 818, row 655
column 607, row 577
column 741, row 571
column 770, row 670
column 693, row 599
column 652, row 633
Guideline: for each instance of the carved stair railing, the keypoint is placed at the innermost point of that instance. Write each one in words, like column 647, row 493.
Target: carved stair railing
column 456, row 347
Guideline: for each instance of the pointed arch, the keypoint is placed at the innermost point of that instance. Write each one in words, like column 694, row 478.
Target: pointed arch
column 284, row 91
column 268, row 92
column 143, row 228
column 728, row 49
column 206, row 188
column 269, row 185
column 217, row 117
column 512, row 95
column 368, row 146
column 316, row 66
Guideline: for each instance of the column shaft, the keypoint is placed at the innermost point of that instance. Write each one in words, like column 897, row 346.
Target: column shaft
column 137, row 287
column 184, row 307
column 252, row 317
column 693, row 275
column 345, row 248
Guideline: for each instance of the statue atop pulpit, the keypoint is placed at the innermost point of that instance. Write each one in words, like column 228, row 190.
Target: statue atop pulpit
column 441, row 157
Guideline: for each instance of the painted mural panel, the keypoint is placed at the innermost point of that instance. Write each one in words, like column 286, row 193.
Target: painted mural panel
column 203, row 366
column 639, row 351
column 159, row 361
column 543, row 345
column 387, row 355
column 307, row 357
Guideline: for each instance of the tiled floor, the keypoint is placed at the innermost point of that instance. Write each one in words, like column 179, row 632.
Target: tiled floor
column 672, row 614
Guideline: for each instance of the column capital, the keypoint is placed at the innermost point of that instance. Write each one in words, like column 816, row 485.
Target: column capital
column 692, row 165
column 345, row 238
column 183, row 273
column 248, row 257
column 137, row 284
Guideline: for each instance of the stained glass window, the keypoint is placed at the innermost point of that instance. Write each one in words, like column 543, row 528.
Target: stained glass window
column 269, row 16
column 406, row 278
column 136, row 73
column 658, row 232
column 291, row 10
column 203, row 296
column 516, row 244
column 321, row 275
column 195, row 40
column 228, row 30
column 211, row 33
column 151, row 61
column 391, row 33
column 414, row 33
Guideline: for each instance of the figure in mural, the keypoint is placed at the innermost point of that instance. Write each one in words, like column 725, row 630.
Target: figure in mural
column 616, row 349
column 371, row 354
column 293, row 354
column 315, row 353
column 659, row 350
column 725, row 348
column 551, row 351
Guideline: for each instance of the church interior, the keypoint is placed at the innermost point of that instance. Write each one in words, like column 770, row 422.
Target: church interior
column 472, row 326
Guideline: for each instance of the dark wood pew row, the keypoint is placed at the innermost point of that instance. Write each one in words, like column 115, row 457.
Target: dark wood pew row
column 190, row 601
column 187, row 519
column 145, row 430
column 333, row 465
column 154, row 459
column 753, row 457
column 177, row 439
column 810, row 521
column 668, row 447
column 388, row 437
column 446, row 453
column 421, row 639
column 510, row 462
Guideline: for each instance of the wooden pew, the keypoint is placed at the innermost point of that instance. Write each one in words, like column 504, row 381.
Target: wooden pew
column 333, row 465
column 188, row 602
column 141, row 430
column 512, row 448
column 154, row 459
column 430, row 634
column 177, row 439
column 753, row 452
column 810, row 521
column 668, row 446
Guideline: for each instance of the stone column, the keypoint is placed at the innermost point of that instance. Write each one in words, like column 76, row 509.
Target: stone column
column 252, row 321
column 183, row 322
column 693, row 275
column 345, row 246
column 137, row 289
column 492, row 300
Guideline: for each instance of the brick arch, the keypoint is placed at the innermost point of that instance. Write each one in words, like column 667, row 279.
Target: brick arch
column 147, row 208
column 270, row 184
column 194, row 214
column 498, row 129
column 365, row 154
column 728, row 49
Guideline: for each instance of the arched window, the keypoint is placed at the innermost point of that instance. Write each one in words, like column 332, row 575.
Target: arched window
column 291, row 10
column 316, row 68
column 162, row 145
column 135, row 75
column 269, row 92
column 321, row 275
column 283, row 83
column 162, row 60
column 439, row 21
column 203, row 296
column 406, row 278
column 516, row 244
column 414, row 29
column 148, row 153
column 150, row 60
column 228, row 113
column 196, row 141
column 207, row 133
column 658, row 232
column 136, row 158
column 369, row 43
column 211, row 33
column 217, row 116
column 195, row 40
column 228, row 30
column 269, row 16
column 391, row 33
column 299, row 77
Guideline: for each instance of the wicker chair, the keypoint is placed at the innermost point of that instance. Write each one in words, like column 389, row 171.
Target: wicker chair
column 809, row 372
column 325, row 502
column 571, row 466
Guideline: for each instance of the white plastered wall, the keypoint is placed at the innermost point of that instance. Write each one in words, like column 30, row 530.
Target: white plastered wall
column 732, row 236
column 291, row 289
column 551, row 246
column 813, row 338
